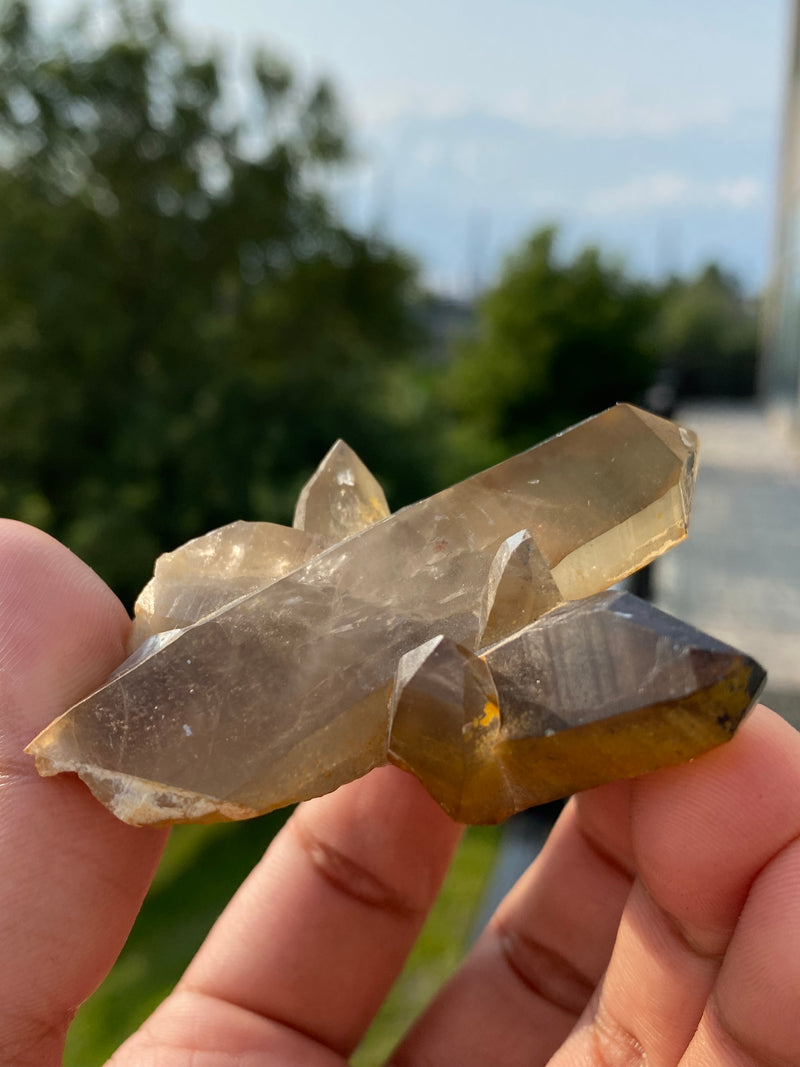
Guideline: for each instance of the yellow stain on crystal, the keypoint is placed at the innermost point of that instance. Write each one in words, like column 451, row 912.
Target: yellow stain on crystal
column 491, row 714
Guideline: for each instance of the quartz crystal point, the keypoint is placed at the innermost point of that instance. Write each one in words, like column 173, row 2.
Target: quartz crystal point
column 244, row 695
column 342, row 498
column 596, row 690
column 519, row 589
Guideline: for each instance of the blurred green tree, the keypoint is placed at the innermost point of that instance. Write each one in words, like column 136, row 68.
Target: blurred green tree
column 707, row 334
column 557, row 340
column 185, row 326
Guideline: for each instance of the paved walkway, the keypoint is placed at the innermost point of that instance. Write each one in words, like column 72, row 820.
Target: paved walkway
column 737, row 575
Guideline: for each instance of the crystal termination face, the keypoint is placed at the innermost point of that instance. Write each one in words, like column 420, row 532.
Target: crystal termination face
column 467, row 638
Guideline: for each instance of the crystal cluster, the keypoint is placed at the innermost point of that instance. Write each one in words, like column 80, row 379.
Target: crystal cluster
column 468, row 638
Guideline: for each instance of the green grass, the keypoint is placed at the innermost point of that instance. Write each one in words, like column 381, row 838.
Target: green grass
column 201, row 869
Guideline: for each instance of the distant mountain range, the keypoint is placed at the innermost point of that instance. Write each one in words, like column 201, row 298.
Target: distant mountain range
column 460, row 191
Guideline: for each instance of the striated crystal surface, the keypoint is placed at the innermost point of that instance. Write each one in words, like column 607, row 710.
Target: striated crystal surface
column 280, row 684
column 599, row 689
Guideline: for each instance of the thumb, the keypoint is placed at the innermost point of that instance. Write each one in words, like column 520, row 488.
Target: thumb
column 73, row 875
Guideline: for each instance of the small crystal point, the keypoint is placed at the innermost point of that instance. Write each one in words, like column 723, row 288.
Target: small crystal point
column 341, row 498
column 520, row 588
column 443, row 700
column 217, row 568
column 248, row 701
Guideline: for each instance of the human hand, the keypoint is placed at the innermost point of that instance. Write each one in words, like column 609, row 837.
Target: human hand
column 661, row 923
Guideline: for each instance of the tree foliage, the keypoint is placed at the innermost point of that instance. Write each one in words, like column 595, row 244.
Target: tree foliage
column 185, row 326
column 707, row 334
column 557, row 340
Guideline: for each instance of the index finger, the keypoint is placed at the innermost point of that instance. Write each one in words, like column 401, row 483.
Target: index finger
column 307, row 950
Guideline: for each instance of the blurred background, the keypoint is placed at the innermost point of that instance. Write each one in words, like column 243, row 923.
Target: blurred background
column 232, row 233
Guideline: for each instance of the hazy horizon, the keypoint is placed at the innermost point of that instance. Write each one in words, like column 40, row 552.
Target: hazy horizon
column 652, row 131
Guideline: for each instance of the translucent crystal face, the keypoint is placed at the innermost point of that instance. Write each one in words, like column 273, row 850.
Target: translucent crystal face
column 274, row 664
column 213, row 570
column 342, row 498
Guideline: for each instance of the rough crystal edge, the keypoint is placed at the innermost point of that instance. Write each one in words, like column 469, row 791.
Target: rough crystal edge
column 140, row 802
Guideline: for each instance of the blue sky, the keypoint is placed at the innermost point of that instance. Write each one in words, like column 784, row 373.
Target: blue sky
column 649, row 127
